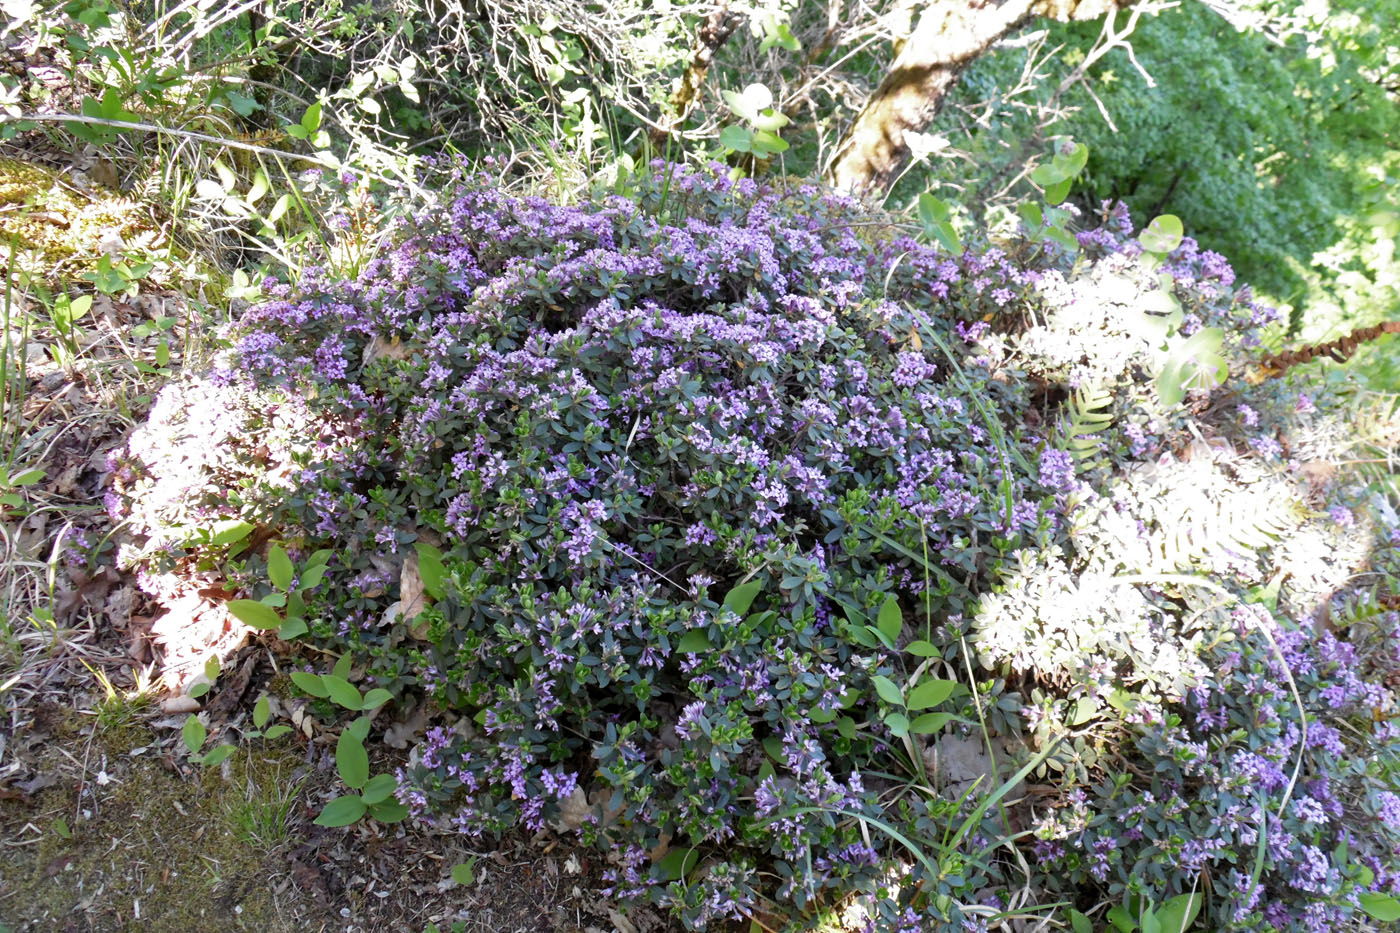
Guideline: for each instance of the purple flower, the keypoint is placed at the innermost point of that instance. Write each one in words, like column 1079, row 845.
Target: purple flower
column 1057, row 470
column 1388, row 808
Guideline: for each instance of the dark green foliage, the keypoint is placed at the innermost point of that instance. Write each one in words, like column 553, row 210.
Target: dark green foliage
column 1278, row 154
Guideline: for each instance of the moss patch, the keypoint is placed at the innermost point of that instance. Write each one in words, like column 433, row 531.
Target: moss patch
column 59, row 229
column 153, row 850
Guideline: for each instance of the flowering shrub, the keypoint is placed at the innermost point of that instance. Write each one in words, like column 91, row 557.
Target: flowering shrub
column 604, row 419
column 1245, row 792
column 672, row 506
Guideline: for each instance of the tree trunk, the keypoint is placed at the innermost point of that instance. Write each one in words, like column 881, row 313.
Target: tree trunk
column 950, row 34
column 715, row 31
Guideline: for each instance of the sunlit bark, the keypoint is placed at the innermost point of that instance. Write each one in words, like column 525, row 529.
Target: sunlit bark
column 713, row 33
column 949, row 35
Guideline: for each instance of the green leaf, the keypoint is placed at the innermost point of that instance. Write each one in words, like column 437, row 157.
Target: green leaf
column 27, row 478
column 227, row 532
column 1064, row 238
column 311, row 577
column 254, row 614
column 1162, row 235
column 1084, row 711
column 342, row 811
column 359, row 727
column 890, row 621
column 923, row 649
column 694, row 642
column 1073, row 162
column 947, row 236
column 1030, row 215
column 931, row 692
column 294, row 627
column 1195, row 363
column 277, row 731
column 937, row 219
column 212, row 667
column 198, row 690
column 1382, row 907
column 60, row 826
column 863, row 635
column 194, row 733
column 768, row 143
column 431, row 570
column 1122, row 700
column 388, row 811
column 1170, row 386
column 774, row 747
column 1178, row 913
column 678, row 863
column 1056, row 193
column 310, row 683
column 929, row 723
column 846, row 726
column 1150, row 923
column 379, row 788
column 465, row 872
column 342, row 666
column 739, row 599
column 1121, row 919
column 736, row 137
column 216, row 755
column 261, row 711
column 933, row 210
column 342, row 692
column 279, row 208
column 351, row 760
column 887, row 690
column 898, row 723
column 376, row 698
column 1080, row 923
column 227, row 178
column 311, row 120
column 279, row 568
column 1047, row 175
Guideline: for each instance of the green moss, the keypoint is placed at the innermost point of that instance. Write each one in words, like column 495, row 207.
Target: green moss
column 157, row 843
column 58, row 227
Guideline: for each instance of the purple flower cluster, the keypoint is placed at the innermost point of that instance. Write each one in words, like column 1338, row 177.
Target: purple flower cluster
column 1232, row 768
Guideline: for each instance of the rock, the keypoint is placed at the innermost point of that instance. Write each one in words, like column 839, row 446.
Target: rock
column 956, row 759
column 573, row 811
column 179, row 704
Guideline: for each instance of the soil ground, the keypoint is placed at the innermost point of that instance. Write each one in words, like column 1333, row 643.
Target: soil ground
column 111, row 829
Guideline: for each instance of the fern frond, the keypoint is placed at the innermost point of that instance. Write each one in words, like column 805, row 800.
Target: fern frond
column 1197, row 526
column 1087, row 412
